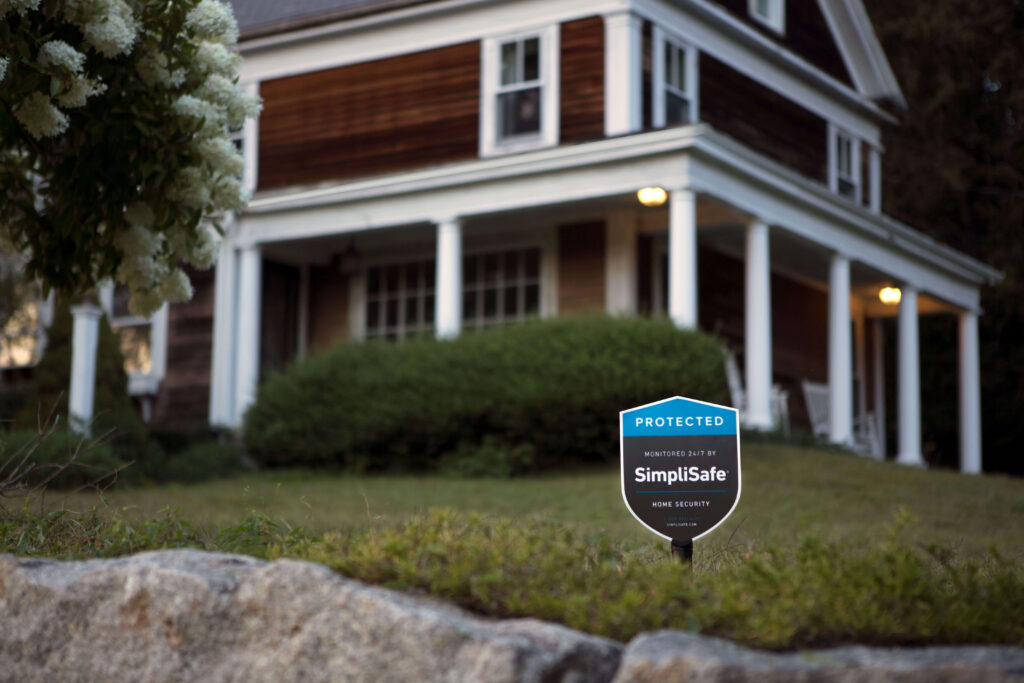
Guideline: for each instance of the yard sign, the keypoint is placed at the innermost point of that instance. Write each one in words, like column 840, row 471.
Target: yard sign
column 680, row 466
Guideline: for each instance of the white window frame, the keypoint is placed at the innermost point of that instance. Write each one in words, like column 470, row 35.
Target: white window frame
column 521, row 281
column 776, row 17
column 491, row 144
column 836, row 138
column 421, row 291
column 141, row 383
column 663, row 41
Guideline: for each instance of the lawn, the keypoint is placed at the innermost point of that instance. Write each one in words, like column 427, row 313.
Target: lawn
column 788, row 493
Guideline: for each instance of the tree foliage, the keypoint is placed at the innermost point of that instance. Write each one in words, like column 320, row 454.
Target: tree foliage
column 955, row 169
column 114, row 147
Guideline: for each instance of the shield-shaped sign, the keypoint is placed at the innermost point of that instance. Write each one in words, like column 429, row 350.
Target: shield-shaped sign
column 680, row 465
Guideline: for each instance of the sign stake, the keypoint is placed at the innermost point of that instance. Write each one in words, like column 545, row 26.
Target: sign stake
column 683, row 550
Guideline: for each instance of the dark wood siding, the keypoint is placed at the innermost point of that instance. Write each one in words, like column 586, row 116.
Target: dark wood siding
column 184, row 397
column 581, row 268
column 807, row 34
column 582, row 80
column 372, row 118
column 763, row 119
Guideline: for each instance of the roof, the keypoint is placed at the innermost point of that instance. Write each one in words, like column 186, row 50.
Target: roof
column 264, row 17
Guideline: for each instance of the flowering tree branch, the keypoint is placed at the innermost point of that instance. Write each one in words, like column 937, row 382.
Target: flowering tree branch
column 114, row 140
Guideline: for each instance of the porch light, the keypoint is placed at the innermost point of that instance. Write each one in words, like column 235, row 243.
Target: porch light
column 652, row 196
column 890, row 296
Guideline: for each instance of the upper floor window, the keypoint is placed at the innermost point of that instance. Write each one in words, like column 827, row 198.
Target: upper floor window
column 520, row 92
column 771, row 13
column 844, row 164
column 143, row 340
column 675, row 78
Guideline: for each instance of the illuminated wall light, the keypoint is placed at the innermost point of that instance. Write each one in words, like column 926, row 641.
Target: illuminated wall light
column 652, row 196
column 890, row 296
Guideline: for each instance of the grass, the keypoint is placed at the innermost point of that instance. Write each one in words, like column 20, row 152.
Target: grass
column 788, row 493
column 824, row 549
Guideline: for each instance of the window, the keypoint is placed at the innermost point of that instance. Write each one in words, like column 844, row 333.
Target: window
column 845, row 165
column 20, row 336
column 675, row 78
column 400, row 300
column 520, row 92
column 143, row 340
column 500, row 287
column 771, row 13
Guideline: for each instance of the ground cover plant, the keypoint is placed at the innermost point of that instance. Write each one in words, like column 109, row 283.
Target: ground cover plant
column 825, row 548
column 554, row 386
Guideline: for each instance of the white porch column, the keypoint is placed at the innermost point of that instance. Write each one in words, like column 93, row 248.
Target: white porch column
column 682, row 258
column 878, row 367
column 84, row 342
column 448, row 287
column 623, row 85
column 860, row 376
column 970, row 395
column 302, row 334
column 909, row 381
column 225, row 319
column 758, row 328
column 620, row 263
column 840, row 365
column 247, row 346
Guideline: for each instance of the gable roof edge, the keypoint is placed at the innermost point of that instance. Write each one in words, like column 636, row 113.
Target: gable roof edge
column 861, row 50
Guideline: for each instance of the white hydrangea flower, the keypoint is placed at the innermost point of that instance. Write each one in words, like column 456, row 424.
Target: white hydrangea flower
column 3, row 67
column 40, row 118
column 81, row 90
column 189, row 187
column 139, row 213
column 175, row 286
column 143, row 301
column 213, row 20
column 216, row 58
column 221, row 154
column 138, row 242
column 57, row 53
column 153, row 69
column 192, row 107
column 206, row 248
column 242, row 107
column 228, row 194
column 19, row 6
column 113, row 29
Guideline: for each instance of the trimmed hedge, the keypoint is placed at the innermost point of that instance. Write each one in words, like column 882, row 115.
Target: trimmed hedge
column 555, row 385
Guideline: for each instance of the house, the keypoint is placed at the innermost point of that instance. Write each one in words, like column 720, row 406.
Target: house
column 437, row 166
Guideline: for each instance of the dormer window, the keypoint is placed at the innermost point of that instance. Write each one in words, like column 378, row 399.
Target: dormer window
column 771, row 13
column 675, row 78
column 520, row 92
column 844, row 164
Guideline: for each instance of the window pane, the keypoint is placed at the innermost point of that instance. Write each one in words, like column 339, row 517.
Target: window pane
column 533, row 263
column 428, row 310
column 763, row 9
column 511, row 265
column 135, row 347
column 429, row 272
column 120, row 307
column 668, row 64
column 519, row 112
column 490, row 303
column 680, row 81
column 846, row 188
column 531, row 59
column 372, row 315
column 412, row 277
column 508, row 63
column 490, row 269
column 411, row 311
column 677, row 110
column 511, row 309
column 469, row 306
column 373, row 281
column 392, row 316
column 532, row 299
column 392, row 279
column 469, row 264
column 18, row 350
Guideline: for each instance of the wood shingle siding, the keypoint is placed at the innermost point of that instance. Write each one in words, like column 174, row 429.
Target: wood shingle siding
column 762, row 119
column 582, row 80
column 807, row 34
column 372, row 118
column 581, row 268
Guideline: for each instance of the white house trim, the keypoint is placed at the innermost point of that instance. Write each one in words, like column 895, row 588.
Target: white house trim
column 776, row 19
column 623, row 64
column 757, row 322
column 909, row 375
column 250, row 143
column 840, row 355
column 225, row 310
column 970, row 394
column 659, row 39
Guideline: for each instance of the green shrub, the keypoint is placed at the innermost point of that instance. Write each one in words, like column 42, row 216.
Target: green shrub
column 13, row 399
column 491, row 458
column 53, row 450
column 202, row 461
column 556, row 385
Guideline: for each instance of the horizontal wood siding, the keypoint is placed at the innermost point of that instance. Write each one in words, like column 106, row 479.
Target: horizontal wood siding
column 582, row 80
column 372, row 118
column 184, row 397
column 807, row 34
column 762, row 119
column 581, row 268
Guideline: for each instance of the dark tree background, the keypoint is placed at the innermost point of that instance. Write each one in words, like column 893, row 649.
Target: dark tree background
column 955, row 170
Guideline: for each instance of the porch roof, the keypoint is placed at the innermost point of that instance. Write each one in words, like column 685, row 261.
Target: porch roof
column 697, row 157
